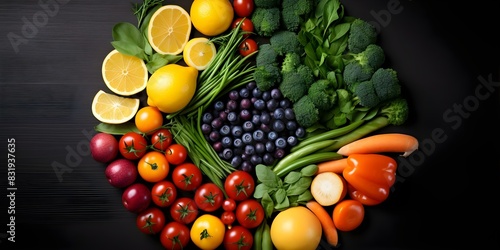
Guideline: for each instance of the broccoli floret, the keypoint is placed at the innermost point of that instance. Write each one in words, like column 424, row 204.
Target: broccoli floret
column 396, row 111
column 293, row 12
column 386, row 84
column 306, row 73
column 285, row 41
column 366, row 95
column 266, row 3
column 354, row 73
column 290, row 63
column 323, row 94
column 373, row 56
column 266, row 55
column 306, row 113
column 267, row 76
column 361, row 34
column 266, row 21
column 293, row 86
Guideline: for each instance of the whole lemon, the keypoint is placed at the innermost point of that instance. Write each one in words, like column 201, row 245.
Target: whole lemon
column 171, row 87
column 211, row 17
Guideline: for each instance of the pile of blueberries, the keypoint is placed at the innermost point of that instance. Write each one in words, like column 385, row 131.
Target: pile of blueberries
column 251, row 127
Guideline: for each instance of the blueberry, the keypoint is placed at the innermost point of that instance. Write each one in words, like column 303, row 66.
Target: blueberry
column 285, row 103
column 249, row 149
column 232, row 117
column 217, row 146
column 260, row 148
column 244, row 93
column 236, row 161
column 266, row 96
column 234, row 95
column 255, row 159
column 267, row 159
column 256, row 119
column 278, row 125
column 265, row 117
column 232, row 105
column 289, row 114
column 246, row 166
column 270, row 147
column 227, row 153
column 280, row 143
column 300, row 132
column 273, row 135
column 217, row 123
column 272, row 104
column 214, row 136
column 237, row 143
column 245, row 103
column 279, row 113
column 258, row 135
column 259, row 104
column 245, row 114
column 247, row 138
column 207, row 118
column 276, row 94
column 248, row 126
column 265, row 128
column 291, row 125
column 225, row 130
column 256, row 92
column 206, row 128
column 292, row 140
column 237, row 131
column 279, row 153
column 227, row 141
column 219, row 105
column 251, row 85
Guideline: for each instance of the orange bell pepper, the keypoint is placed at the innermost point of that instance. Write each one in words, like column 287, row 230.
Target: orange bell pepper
column 369, row 177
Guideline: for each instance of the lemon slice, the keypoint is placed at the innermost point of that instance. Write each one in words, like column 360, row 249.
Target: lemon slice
column 169, row 29
column 114, row 109
column 123, row 74
column 199, row 52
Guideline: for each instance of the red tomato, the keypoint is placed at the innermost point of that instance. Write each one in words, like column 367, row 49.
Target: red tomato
column 175, row 236
column 249, row 213
column 238, row 238
column 151, row 220
column 132, row 145
column 208, row 197
column 228, row 218
column 176, row 153
column 248, row 46
column 239, row 185
column 187, row 176
column 229, row 204
column 184, row 210
column 161, row 139
column 243, row 8
column 246, row 25
column 163, row 193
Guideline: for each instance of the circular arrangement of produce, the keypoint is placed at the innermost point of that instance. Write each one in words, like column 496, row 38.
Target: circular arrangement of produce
column 260, row 132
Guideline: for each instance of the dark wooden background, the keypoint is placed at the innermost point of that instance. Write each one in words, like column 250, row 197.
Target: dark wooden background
column 50, row 69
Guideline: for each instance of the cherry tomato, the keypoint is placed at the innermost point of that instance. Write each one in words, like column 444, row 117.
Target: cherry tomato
column 228, row 218
column 175, row 236
column 243, row 8
column 208, row 197
column 151, row 220
column 239, row 185
column 161, row 139
column 238, row 238
column 248, row 46
column 176, row 154
column 153, row 166
column 207, row 232
column 184, row 210
column 229, row 204
column 163, row 193
column 246, row 25
column 148, row 119
column 249, row 213
column 132, row 145
column 348, row 214
column 187, row 176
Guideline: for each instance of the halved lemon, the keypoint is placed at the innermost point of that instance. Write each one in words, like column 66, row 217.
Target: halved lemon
column 199, row 52
column 169, row 29
column 123, row 74
column 114, row 109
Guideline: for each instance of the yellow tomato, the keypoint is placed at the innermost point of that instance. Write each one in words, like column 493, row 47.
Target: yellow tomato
column 207, row 232
column 148, row 119
column 153, row 166
column 296, row 228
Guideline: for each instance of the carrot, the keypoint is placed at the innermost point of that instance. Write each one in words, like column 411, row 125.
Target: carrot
column 390, row 142
column 336, row 166
column 329, row 229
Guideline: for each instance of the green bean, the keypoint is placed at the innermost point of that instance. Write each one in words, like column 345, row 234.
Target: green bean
column 304, row 151
column 307, row 160
column 267, row 243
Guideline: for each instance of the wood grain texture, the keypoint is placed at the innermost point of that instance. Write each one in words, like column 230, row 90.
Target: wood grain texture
column 48, row 81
